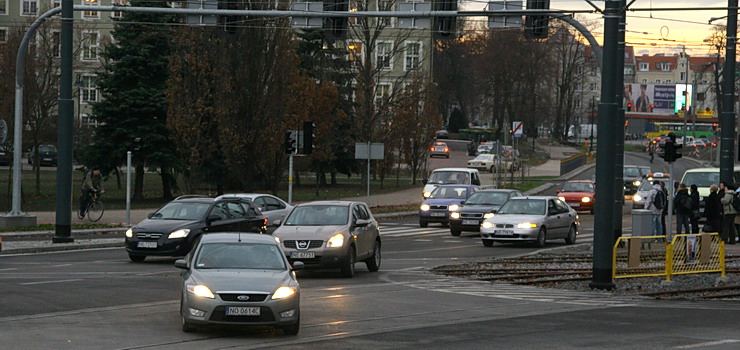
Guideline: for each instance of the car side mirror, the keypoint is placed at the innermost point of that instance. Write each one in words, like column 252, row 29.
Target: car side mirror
column 424, row 181
column 298, row 265
column 462, row 202
column 211, row 218
column 277, row 222
column 181, row 264
column 150, row 215
column 361, row 222
column 494, row 211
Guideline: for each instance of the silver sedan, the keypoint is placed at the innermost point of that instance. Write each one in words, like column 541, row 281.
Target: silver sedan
column 273, row 208
column 531, row 219
column 239, row 279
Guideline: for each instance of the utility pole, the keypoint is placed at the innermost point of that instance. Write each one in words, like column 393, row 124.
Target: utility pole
column 593, row 113
column 619, row 124
column 686, row 96
column 727, row 118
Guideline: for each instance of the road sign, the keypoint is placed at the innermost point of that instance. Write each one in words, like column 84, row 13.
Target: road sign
column 499, row 21
column 376, row 150
column 517, row 129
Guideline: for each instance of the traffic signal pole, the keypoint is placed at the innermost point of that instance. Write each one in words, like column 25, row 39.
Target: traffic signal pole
column 727, row 117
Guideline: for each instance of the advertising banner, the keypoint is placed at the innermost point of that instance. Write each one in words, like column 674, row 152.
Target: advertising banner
column 650, row 98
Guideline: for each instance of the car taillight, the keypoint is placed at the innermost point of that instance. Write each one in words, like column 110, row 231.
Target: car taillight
column 431, row 148
column 264, row 221
column 447, row 149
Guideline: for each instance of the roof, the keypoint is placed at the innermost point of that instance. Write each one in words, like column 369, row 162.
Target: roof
column 326, row 203
column 196, row 200
column 456, row 169
column 655, row 63
column 457, row 185
column 233, row 237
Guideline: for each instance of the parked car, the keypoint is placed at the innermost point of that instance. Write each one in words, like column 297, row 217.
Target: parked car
column 5, row 155
column 173, row 229
column 239, row 279
column 444, row 200
column 481, row 205
column 331, row 234
column 439, row 149
column 443, row 134
column 579, row 195
column 449, row 176
column 47, row 155
column 483, row 149
column 534, row 219
column 273, row 208
column 638, row 200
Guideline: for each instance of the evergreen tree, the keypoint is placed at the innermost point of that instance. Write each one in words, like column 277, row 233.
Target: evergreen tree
column 457, row 121
column 133, row 110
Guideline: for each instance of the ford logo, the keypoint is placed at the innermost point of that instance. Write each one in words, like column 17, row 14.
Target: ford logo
column 302, row 244
column 243, row 297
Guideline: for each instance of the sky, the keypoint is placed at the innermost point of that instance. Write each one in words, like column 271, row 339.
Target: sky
column 651, row 31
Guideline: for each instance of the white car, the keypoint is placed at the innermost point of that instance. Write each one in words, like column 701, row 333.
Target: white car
column 488, row 162
column 449, row 176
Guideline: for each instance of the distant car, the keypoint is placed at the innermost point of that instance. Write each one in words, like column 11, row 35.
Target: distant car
column 443, row 134
column 534, row 219
column 273, row 208
column 579, row 195
column 492, row 163
column 47, row 155
column 645, row 170
column 481, row 205
column 4, row 155
column 440, row 149
column 483, row 149
column 632, row 178
column 443, row 200
column 173, row 229
column 449, row 176
column 239, row 279
column 699, row 143
column 331, row 234
column 638, row 200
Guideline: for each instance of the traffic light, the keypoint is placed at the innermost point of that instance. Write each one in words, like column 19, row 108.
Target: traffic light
column 672, row 151
column 651, row 108
column 291, row 142
column 537, row 26
column 629, row 107
column 308, row 136
column 714, row 126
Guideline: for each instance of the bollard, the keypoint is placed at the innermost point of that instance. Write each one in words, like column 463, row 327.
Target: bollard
column 1, row 243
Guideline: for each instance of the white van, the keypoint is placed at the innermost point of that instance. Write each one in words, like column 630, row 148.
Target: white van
column 705, row 177
column 449, row 176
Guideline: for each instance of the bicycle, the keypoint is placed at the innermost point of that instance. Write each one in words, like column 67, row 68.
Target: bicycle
column 94, row 210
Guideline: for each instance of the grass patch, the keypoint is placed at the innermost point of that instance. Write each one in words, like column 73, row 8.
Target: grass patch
column 634, row 148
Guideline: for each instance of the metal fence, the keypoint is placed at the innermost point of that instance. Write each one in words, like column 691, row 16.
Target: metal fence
column 639, row 256
column 572, row 163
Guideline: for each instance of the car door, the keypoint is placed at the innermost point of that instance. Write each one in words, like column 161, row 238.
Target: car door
column 253, row 219
column 371, row 231
column 360, row 233
column 226, row 221
column 566, row 217
column 276, row 209
column 552, row 220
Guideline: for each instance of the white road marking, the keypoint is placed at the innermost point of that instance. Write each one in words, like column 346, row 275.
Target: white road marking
column 709, row 343
column 47, row 282
column 10, row 269
column 61, row 265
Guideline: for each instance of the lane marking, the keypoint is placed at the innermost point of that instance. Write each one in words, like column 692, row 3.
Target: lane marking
column 709, row 343
column 47, row 282
column 9, row 269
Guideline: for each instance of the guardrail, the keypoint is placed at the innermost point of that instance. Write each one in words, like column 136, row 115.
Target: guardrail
column 572, row 163
column 645, row 256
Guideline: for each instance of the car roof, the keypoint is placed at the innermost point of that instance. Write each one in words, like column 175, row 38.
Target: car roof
column 196, row 200
column 496, row 190
column 579, row 181
column 702, row 170
column 343, row 203
column 234, row 237
column 457, row 169
column 535, row 197
column 244, row 195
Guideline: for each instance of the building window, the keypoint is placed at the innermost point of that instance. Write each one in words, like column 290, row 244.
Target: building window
column 3, row 35
column 383, row 54
column 592, row 86
column 382, row 91
column 668, row 81
column 413, row 55
column 88, row 89
column 628, row 71
column 90, row 14
column 90, row 46
column 30, row 8
column 657, row 81
column 643, row 66
column 3, row 7
column 354, row 50
column 56, row 40
column 644, row 81
column 682, row 76
column 578, row 103
column 666, row 67
column 86, row 121
column 594, row 70
column 118, row 14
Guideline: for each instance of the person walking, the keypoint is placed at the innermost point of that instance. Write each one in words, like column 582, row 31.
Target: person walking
column 695, row 212
column 728, row 215
column 682, row 206
column 665, row 207
column 713, row 210
column 655, row 202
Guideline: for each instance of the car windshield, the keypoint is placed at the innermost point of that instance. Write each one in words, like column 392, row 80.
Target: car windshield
column 449, row 177
column 449, row 192
column 648, row 185
column 578, row 187
column 523, row 207
column 47, row 148
column 318, row 215
column 631, row 172
column 484, row 157
column 702, row 179
column 645, row 171
column 240, row 256
column 181, row 211
column 488, row 198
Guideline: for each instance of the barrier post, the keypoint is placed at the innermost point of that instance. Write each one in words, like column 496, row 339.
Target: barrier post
column 722, row 258
column 614, row 257
column 668, row 261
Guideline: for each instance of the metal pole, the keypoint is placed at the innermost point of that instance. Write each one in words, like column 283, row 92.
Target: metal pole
column 603, row 239
column 685, row 98
column 671, row 194
column 727, row 119
column 368, row 170
column 65, row 126
column 128, row 188
column 290, row 179
column 619, row 122
column 593, row 113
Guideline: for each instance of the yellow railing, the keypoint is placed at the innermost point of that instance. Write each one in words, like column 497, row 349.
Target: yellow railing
column 643, row 256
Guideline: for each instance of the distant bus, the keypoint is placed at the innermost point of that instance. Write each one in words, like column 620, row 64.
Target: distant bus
column 702, row 130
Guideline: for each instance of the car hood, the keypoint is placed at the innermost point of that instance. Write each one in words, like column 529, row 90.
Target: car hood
column 443, row 201
column 515, row 219
column 241, row 280
column 487, row 208
column 578, row 195
column 309, row 232
column 149, row 225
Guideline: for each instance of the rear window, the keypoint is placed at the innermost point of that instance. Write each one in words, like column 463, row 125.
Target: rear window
column 449, row 177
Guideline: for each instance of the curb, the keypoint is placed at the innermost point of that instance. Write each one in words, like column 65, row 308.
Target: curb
column 41, row 234
column 60, row 249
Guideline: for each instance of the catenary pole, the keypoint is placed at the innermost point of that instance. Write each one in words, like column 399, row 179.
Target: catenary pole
column 619, row 124
column 727, row 118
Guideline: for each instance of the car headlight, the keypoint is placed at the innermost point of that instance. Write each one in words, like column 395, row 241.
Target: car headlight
column 335, row 241
column 179, row 233
column 488, row 215
column 526, row 225
column 636, row 182
column 201, row 291
column 562, row 198
column 586, row 199
column 129, row 233
column 453, row 207
column 426, row 194
column 486, row 224
column 637, row 198
column 283, row 292
column 424, row 207
column 455, row 215
column 277, row 239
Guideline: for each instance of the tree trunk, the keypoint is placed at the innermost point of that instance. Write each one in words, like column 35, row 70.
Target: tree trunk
column 118, row 177
column 139, row 183
column 166, row 184
column 333, row 177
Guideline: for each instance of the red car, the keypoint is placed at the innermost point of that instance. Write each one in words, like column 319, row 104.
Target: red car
column 579, row 194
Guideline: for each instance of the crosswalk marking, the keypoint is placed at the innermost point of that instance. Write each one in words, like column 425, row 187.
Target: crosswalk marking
column 411, row 230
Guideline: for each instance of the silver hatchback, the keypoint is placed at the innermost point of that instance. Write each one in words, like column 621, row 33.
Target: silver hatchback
column 331, row 234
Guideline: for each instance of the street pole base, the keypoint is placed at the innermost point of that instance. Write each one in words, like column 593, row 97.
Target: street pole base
column 9, row 221
column 602, row 279
column 63, row 234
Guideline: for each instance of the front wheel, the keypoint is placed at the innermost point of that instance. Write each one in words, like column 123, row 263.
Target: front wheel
column 292, row 329
column 487, row 243
column 423, row 224
column 456, row 233
column 373, row 262
column 348, row 269
column 136, row 258
column 95, row 211
column 541, row 238
column 571, row 239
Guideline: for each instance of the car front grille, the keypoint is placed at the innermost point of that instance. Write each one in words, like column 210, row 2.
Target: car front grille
column 471, row 216
column 443, row 207
column 504, row 225
column 148, row 235
column 219, row 315
column 235, row 297
column 311, row 244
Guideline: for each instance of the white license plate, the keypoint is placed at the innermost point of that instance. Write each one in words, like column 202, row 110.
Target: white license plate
column 439, row 215
column 504, row 232
column 49, row 159
column 470, row 222
column 574, row 204
column 302, row 255
column 146, row 244
column 242, row 311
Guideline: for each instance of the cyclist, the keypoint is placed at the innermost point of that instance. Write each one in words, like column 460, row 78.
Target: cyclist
column 92, row 183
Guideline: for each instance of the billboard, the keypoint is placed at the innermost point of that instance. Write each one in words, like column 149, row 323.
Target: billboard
column 650, row 98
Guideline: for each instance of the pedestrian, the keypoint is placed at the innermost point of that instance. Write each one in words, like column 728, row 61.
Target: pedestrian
column 713, row 211
column 728, row 215
column 682, row 206
column 655, row 202
column 695, row 212
column 651, row 150
column 665, row 207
